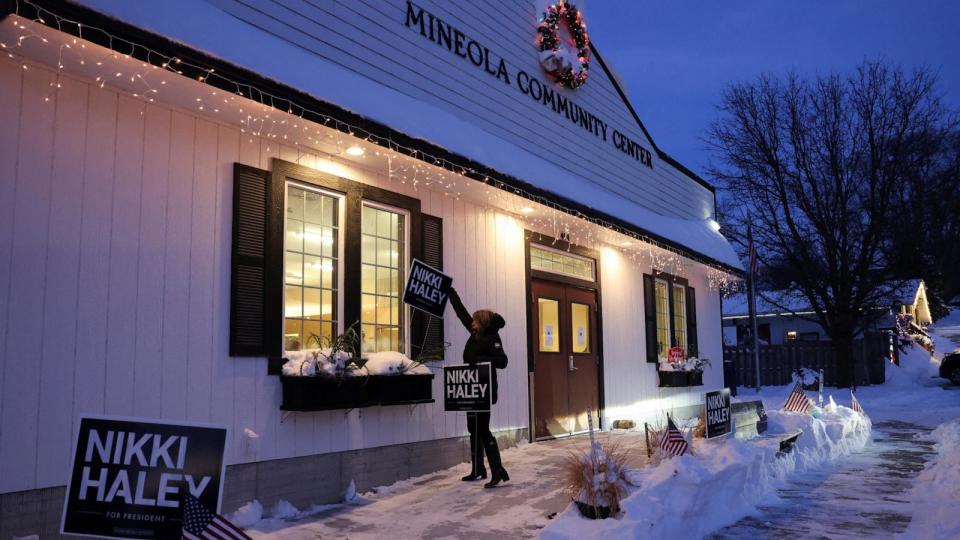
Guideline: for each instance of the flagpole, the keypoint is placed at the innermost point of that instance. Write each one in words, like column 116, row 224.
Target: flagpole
column 752, row 302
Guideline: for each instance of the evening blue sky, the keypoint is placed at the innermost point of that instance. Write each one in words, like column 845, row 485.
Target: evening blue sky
column 677, row 56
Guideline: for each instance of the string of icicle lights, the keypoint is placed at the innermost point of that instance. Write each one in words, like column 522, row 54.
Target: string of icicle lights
column 405, row 164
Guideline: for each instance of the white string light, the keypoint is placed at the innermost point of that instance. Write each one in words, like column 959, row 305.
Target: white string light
column 414, row 167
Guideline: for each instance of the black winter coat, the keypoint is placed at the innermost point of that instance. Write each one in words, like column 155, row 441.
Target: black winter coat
column 486, row 347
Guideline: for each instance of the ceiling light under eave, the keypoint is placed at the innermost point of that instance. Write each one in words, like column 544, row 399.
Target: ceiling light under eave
column 527, row 210
column 355, row 151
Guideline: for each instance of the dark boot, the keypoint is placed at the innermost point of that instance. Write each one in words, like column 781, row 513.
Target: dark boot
column 497, row 476
column 475, row 475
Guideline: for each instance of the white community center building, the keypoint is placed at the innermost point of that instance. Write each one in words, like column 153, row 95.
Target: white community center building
column 194, row 193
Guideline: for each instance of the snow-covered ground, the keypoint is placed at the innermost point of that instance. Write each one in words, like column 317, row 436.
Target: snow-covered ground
column 711, row 492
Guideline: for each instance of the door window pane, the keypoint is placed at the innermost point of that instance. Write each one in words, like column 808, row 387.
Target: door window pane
column 549, row 324
column 663, row 317
column 382, row 247
column 310, row 268
column 580, row 319
column 680, row 316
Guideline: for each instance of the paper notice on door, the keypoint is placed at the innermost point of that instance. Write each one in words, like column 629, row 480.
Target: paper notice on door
column 548, row 335
column 581, row 336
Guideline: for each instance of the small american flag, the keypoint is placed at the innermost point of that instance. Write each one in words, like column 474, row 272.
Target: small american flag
column 199, row 523
column 856, row 404
column 797, row 401
column 672, row 441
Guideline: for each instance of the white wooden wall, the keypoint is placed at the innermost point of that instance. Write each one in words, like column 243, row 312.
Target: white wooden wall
column 115, row 222
column 630, row 383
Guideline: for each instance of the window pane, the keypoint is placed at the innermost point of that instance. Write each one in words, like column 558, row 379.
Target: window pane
column 368, row 277
column 382, row 272
column 293, row 268
column 663, row 318
column 310, row 295
column 580, row 317
column 312, row 303
column 368, row 247
column 293, row 301
column 291, row 335
column 549, row 325
column 294, row 235
column 680, row 316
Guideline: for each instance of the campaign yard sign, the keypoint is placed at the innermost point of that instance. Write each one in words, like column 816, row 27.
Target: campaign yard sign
column 427, row 289
column 467, row 388
column 717, row 405
column 129, row 476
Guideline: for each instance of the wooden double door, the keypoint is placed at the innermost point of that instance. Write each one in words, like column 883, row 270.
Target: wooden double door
column 566, row 363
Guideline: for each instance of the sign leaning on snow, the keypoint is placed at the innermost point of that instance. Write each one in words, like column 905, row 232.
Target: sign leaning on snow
column 130, row 475
column 717, row 405
column 427, row 289
column 467, row 388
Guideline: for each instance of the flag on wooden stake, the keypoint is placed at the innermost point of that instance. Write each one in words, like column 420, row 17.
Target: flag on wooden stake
column 855, row 405
column 797, row 401
column 672, row 441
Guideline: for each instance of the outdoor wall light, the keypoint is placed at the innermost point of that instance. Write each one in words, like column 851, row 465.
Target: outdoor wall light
column 527, row 210
column 355, row 151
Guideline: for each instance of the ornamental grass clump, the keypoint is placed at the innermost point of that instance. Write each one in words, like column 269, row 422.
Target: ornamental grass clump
column 597, row 480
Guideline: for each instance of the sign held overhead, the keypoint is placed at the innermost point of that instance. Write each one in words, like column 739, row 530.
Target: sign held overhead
column 427, row 289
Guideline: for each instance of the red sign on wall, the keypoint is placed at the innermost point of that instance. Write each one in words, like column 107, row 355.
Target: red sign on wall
column 676, row 354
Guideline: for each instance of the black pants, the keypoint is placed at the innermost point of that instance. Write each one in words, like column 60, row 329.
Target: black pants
column 481, row 440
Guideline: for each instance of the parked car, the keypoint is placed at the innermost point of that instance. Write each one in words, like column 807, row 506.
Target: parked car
column 950, row 367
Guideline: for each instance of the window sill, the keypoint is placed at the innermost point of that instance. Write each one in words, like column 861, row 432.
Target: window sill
column 322, row 394
column 680, row 379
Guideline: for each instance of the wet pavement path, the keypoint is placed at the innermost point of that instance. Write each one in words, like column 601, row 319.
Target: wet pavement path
column 862, row 496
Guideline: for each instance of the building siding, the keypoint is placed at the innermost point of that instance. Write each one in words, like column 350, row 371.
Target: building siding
column 115, row 287
column 370, row 38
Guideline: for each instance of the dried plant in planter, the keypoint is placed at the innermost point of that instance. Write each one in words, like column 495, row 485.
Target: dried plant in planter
column 340, row 351
column 597, row 479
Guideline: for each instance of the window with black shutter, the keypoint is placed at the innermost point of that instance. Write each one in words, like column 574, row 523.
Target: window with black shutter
column 670, row 315
column 301, row 269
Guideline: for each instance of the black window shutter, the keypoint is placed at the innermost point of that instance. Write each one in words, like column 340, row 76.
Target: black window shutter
column 692, row 322
column 650, row 317
column 426, row 335
column 253, row 331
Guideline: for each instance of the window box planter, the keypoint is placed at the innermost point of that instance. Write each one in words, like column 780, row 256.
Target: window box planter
column 670, row 379
column 323, row 394
column 306, row 394
column 679, row 379
column 401, row 389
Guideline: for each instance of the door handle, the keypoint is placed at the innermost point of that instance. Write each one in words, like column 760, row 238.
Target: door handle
column 570, row 366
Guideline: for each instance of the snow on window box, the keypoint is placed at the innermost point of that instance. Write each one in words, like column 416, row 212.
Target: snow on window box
column 323, row 379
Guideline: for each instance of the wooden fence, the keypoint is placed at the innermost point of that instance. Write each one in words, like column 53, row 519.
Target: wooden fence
column 778, row 362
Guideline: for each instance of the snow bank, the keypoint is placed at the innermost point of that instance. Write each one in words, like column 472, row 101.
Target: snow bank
column 936, row 488
column 917, row 367
column 691, row 496
column 247, row 515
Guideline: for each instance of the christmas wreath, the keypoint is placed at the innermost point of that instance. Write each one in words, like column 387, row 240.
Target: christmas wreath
column 556, row 59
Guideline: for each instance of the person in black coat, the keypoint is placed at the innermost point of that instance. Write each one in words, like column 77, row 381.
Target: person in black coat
column 484, row 345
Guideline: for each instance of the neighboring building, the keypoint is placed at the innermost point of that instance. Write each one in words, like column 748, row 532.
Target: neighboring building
column 189, row 189
column 792, row 319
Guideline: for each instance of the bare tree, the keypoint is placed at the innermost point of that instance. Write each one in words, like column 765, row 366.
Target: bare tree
column 817, row 166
